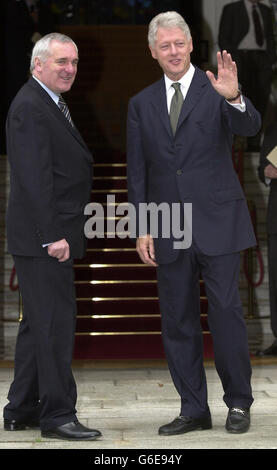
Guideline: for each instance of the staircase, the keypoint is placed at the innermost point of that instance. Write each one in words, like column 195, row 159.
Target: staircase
column 118, row 309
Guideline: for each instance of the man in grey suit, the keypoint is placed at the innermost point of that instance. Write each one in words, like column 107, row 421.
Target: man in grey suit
column 51, row 175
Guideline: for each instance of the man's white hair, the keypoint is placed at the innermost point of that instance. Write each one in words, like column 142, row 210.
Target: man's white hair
column 42, row 47
column 169, row 19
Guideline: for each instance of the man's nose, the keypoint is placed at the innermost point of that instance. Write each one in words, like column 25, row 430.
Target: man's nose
column 173, row 49
column 70, row 68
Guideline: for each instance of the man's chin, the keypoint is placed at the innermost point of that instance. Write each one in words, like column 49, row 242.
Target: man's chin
column 176, row 75
column 64, row 87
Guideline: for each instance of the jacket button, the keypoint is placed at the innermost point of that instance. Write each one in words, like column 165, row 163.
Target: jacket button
column 179, row 172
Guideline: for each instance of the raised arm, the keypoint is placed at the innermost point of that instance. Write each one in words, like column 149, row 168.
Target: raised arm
column 226, row 81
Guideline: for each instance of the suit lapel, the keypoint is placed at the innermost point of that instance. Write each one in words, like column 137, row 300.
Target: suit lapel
column 243, row 23
column 57, row 112
column 194, row 93
column 198, row 83
column 160, row 103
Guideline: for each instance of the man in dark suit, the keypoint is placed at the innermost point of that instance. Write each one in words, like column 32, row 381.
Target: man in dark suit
column 51, row 172
column 246, row 31
column 189, row 160
column 268, row 175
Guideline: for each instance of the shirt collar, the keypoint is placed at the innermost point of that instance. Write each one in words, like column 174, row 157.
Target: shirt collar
column 53, row 95
column 185, row 80
column 249, row 5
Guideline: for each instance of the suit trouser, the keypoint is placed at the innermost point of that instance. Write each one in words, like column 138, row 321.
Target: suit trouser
column 44, row 387
column 272, row 277
column 179, row 294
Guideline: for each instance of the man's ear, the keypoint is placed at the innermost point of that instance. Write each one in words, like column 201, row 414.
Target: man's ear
column 37, row 63
column 153, row 52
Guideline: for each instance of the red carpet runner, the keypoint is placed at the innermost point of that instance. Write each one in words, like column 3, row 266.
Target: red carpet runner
column 118, row 309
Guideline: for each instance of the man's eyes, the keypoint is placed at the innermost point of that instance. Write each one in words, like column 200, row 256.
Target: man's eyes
column 63, row 62
column 178, row 44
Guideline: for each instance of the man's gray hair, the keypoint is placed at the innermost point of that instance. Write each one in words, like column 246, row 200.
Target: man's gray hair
column 169, row 19
column 42, row 47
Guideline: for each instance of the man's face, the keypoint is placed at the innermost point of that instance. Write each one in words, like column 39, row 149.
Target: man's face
column 172, row 50
column 59, row 70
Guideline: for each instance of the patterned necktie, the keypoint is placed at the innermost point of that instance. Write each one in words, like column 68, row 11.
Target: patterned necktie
column 64, row 108
column 259, row 35
column 175, row 107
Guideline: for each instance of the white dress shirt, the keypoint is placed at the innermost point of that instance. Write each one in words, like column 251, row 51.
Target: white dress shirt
column 185, row 82
column 53, row 95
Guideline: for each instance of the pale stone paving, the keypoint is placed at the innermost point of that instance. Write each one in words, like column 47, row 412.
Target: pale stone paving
column 129, row 405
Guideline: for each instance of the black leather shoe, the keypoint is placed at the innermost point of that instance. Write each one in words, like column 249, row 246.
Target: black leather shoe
column 270, row 351
column 183, row 424
column 14, row 425
column 73, row 431
column 238, row 420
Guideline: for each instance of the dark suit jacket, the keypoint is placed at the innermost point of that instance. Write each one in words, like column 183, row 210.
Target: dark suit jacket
column 269, row 142
column 195, row 167
column 51, row 175
column 234, row 25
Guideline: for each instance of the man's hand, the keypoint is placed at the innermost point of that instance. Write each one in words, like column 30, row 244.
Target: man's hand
column 145, row 249
column 226, row 83
column 59, row 250
column 270, row 171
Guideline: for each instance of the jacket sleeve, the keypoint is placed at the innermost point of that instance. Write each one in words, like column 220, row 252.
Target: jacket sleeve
column 225, row 34
column 29, row 151
column 247, row 123
column 269, row 30
column 136, row 168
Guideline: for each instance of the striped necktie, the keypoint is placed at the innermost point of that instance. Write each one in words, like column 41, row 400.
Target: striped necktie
column 64, row 108
column 176, row 105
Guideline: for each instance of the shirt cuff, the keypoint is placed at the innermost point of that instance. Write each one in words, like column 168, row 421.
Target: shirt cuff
column 240, row 106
